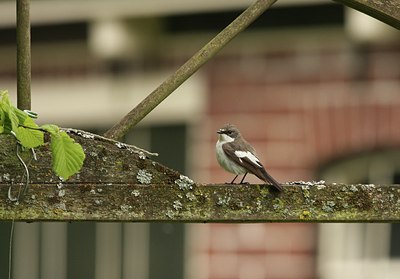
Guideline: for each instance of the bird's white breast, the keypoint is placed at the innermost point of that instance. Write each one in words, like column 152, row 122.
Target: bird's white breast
column 223, row 160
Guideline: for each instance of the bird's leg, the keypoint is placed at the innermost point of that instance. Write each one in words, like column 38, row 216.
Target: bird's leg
column 241, row 181
column 234, row 179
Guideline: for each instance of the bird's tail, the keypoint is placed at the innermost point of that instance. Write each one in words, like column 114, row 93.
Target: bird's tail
column 268, row 178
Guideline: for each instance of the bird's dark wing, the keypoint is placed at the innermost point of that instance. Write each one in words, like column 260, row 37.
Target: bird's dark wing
column 249, row 161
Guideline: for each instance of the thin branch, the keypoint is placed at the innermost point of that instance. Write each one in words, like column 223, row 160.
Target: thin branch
column 23, row 55
column 130, row 147
column 188, row 69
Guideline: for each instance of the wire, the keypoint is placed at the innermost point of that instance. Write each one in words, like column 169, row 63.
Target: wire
column 10, row 249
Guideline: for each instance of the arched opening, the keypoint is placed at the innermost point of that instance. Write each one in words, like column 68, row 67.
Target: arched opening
column 361, row 250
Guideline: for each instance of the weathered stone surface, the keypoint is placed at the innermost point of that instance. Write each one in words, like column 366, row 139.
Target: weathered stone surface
column 118, row 184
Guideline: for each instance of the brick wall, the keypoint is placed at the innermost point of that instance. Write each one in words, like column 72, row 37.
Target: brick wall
column 300, row 109
column 252, row 251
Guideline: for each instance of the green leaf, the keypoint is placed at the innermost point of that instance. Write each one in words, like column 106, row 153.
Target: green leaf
column 1, row 120
column 20, row 114
column 68, row 156
column 29, row 135
column 9, row 118
column 50, row 128
column 30, row 123
column 1, row 115
column 29, row 138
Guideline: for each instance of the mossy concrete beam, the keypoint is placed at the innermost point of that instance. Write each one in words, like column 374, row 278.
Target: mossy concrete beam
column 118, row 183
column 203, row 203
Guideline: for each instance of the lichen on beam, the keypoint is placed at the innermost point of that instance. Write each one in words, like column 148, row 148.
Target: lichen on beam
column 106, row 161
column 246, row 203
column 119, row 184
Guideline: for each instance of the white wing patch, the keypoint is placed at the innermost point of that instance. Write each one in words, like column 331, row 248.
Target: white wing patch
column 248, row 155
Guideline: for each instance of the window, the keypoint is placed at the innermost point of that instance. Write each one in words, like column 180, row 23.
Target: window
column 361, row 250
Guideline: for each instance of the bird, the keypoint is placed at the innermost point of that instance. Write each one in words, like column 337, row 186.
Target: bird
column 237, row 156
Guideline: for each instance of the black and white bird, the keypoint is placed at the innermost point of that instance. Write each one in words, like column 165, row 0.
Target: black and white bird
column 237, row 156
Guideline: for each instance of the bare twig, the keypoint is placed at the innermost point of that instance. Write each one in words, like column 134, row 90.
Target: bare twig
column 189, row 68
column 130, row 147
column 23, row 55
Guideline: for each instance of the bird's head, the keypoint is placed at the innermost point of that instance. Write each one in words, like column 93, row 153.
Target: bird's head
column 228, row 133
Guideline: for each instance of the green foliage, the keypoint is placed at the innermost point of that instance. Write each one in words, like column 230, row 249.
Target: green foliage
column 67, row 155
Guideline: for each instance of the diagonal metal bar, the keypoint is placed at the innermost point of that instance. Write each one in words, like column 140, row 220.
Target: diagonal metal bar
column 188, row 69
column 387, row 11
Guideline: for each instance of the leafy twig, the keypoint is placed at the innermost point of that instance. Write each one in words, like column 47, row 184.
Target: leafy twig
column 67, row 155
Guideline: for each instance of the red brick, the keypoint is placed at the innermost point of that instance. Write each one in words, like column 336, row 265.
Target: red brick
column 300, row 110
column 384, row 66
column 290, row 266
column 290, row 238
column 265, row 125
column 252, row 99
column 252, row 267
column 199, row 237
column 223, row 238
column 284, row 154
column 395, row 130
column 251, row 236
column 340, row 65
column 223, row 265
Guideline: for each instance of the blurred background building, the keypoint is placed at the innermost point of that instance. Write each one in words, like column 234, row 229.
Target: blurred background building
column 313, row 85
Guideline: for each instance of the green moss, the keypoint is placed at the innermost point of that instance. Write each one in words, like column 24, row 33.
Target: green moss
column 278, row 204
column 264, row 190
column 305, row 215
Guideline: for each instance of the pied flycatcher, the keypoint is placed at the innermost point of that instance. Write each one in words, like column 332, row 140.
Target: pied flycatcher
column 237, row 156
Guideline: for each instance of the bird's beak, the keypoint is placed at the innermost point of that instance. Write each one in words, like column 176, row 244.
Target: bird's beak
column 220, row 131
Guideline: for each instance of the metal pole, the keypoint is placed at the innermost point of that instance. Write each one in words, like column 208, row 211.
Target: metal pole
column 23, row 55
